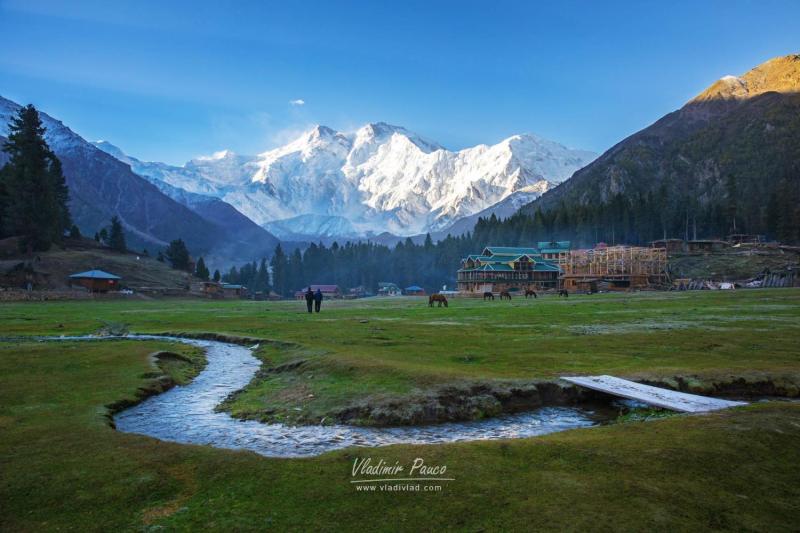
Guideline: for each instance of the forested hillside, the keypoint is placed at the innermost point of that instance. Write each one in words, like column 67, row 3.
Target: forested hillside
column 728, row 161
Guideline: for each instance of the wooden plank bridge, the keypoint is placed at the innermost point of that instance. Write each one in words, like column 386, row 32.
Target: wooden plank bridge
column 668, row 399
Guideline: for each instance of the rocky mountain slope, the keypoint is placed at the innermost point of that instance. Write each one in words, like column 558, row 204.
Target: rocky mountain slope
column 377, row 179
column 728, row 153
column 102, row 186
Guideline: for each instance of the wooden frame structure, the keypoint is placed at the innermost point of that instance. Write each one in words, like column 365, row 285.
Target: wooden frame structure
column 621, row 267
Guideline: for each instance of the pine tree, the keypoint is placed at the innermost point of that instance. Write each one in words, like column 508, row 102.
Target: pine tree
column 103, row 236
column 178, row 255
column 263, row 275
column 74, row 232
column 217, row 276
column 34, row 187
column 200, row 269
column 160, row 256
column 280, row 270
column 116, row 236
column 295, row 276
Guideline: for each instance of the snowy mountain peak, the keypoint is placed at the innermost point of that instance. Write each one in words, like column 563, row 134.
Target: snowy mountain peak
column 379, row 178
column 381, row 132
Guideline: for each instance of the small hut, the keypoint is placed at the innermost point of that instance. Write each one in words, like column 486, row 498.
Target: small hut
column 386, row 288
column 414, row 290
column 234, row 290
column 95, row 281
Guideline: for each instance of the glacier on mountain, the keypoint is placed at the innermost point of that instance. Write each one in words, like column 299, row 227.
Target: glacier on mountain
column 376, row 179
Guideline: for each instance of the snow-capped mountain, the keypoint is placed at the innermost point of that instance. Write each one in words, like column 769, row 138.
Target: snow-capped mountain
column 100, row 187
column 379, row 178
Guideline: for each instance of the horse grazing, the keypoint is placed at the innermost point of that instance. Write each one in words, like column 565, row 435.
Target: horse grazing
column 488, row 296
column 564, row 293
column 440, row 298
column 530, row 292
column 505, row 295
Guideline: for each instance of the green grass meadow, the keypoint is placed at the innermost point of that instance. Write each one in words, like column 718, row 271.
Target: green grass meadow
column 62, row 467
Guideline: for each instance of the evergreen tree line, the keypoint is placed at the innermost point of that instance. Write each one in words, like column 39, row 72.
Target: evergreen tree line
column 640, row 219
column 634, row 220
column 361, row 264
column 33, row 191
column 254, row 276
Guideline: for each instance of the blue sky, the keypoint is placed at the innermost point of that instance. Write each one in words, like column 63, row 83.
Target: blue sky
column 168, row 81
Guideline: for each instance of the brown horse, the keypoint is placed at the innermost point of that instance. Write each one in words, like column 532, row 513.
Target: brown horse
column 505, row 295
column 564, row 293
column 530, row 292
column 488, row 296
column 439, row 298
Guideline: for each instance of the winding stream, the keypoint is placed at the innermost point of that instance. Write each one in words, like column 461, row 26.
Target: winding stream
column 186, row 414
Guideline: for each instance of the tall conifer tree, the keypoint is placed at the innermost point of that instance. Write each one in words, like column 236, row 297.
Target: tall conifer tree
column 35, row 189
column 116, row 236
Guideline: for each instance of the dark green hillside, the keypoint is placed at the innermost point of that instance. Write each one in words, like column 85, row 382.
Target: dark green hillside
column 729, row 160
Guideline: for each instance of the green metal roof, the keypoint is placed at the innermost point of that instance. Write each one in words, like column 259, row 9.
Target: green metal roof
column 542, row 266
column 555, row 245
column 511, row 250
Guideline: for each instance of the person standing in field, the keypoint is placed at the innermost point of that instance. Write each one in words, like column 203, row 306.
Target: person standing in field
column 317, row 300
column 310, row 299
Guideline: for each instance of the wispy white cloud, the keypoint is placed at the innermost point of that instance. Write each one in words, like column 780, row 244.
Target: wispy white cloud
column 299, row 101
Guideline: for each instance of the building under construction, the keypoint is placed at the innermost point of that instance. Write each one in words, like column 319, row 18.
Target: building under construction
column 614, row 267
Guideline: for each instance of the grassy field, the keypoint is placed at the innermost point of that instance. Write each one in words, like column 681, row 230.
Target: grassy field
column 380, row 350
column 63, row 467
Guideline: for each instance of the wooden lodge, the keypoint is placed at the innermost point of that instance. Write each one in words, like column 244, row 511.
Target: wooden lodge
column 555, row 251
column 505, row 268
column 95, row 281
column 617, row 267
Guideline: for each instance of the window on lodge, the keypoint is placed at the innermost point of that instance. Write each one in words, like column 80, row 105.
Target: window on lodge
column 523, row 264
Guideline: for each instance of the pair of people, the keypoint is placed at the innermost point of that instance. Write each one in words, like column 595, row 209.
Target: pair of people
column 313, row 298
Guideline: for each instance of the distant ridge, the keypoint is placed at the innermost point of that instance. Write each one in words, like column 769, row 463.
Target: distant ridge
column 735, row 144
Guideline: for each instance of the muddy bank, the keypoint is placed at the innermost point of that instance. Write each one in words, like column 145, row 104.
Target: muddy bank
column 468, row 401
column 482, row 400
column 160, row 381
column 750, row 386
column 457, row 402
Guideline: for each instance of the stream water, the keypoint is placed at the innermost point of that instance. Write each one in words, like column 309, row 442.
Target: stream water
column 186, row 414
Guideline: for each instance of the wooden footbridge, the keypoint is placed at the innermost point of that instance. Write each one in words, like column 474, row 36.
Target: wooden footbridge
column 668, row 399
